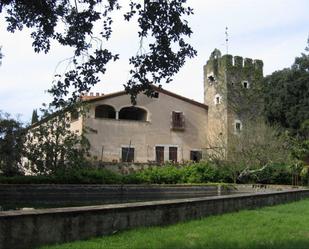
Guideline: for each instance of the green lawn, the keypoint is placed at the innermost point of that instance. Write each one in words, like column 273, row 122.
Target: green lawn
column 280, row 227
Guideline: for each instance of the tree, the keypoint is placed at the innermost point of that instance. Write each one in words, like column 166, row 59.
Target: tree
column 51, row 145
column 257, row 147
column 258, row 152
column 35, row 117
column 287, row 95
column 11, row 145
column 160, row 20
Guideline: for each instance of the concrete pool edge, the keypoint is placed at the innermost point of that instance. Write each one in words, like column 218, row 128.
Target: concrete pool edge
column 28, row 229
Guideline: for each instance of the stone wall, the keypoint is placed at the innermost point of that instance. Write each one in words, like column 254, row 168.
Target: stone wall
column 28, row 229
column 72, row 194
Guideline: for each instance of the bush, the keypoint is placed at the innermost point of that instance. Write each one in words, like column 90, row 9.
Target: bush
column 89, row 176
column 202, row 172
column 171, row 174
column 273, row 174
column 77, row 176
column 166, row 174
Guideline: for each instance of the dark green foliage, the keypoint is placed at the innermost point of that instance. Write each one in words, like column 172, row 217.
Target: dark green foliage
column 86, row 26
column 273, row 174
column 11, row 145
column 166, row 174
column 88, row 176
column 287, row 95
column 51, row 145
column 169, row 174
column 76, row 176
column 163, row 21
column 202, row 172
column 35, row 117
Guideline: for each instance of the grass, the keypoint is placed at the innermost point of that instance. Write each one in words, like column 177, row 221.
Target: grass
column 279, row 227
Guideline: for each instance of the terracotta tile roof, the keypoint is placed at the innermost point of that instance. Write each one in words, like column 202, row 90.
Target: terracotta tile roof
column 158, row 89
column 116, row 94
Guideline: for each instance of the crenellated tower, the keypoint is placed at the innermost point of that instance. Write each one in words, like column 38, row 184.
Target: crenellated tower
column 228, row 82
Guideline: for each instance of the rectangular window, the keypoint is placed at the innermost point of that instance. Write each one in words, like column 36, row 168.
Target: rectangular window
column 173, row 154
column 156, row 95
column 238, row 126
column 195, row 155
column 74, row 115
column 127, row 154
column 159, row 154
column 178, row 121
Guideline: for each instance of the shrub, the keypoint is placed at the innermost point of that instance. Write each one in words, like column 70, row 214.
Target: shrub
column 77, row 176
column 166, row 174
column 273, row 174
column 88, row 176
column 170, row 174
column 200, row 173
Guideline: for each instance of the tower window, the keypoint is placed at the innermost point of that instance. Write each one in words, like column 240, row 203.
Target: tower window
column 245, row 84
column 211, row 78
column 238, row 126
column 217, row 99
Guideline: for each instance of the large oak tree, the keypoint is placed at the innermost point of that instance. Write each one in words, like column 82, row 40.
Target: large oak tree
column 74, row 23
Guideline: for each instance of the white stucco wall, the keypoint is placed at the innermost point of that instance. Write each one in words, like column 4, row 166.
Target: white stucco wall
column 112, row 134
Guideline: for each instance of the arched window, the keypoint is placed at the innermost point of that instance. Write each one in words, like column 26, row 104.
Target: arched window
column 133, row 113
column 105, row 111
column 211, row 79
column 217, row 99
column 245, row 84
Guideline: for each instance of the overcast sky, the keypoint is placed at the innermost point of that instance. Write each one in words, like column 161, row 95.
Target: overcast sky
column 272, row 30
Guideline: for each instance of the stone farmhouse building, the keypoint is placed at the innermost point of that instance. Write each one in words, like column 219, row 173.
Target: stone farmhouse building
column 167, row 127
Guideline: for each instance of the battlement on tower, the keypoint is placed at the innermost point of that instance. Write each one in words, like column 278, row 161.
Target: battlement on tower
column 229, row 63
column 227, row 79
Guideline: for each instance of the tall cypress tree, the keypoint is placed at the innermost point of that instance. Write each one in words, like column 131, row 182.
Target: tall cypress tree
column 35, row 117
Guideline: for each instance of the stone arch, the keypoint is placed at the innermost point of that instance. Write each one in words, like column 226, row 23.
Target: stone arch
column 133, row 113
column 105, row 111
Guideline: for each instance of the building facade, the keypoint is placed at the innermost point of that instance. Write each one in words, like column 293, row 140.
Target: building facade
column 169, row 127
